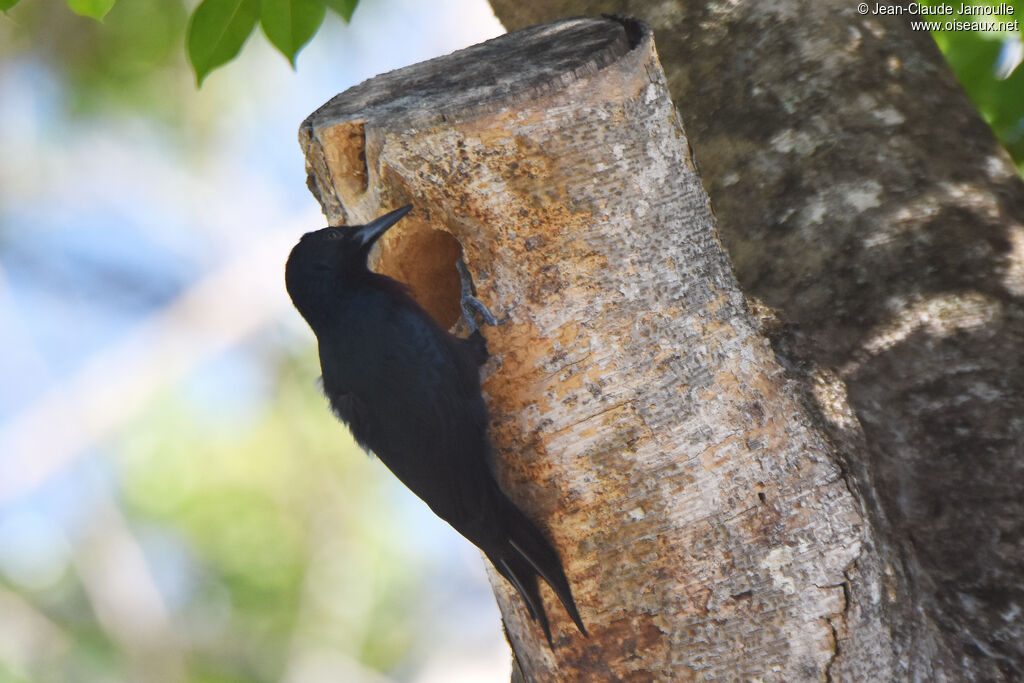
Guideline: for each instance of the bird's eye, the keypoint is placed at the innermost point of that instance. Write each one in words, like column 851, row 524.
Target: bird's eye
column 333, row 235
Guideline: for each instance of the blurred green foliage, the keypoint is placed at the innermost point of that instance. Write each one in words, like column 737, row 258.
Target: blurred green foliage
column 97, row 9
column 344, row 8
column 975, row 58
column 270, row 510
column 133, row 58
column 290, row 24
column 218, row 29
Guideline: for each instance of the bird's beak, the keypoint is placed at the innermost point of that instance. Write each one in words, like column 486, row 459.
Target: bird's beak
column 369, row 233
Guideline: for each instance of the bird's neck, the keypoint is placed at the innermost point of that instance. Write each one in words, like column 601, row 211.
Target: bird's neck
column 333, row 304
column 316, row 296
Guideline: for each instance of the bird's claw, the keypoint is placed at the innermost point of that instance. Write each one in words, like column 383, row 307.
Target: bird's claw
column 468, row 302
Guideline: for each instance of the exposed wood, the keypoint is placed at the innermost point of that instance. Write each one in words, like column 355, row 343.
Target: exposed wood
column 638, row 413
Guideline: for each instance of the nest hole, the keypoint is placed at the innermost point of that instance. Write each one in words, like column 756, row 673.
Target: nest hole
column 424, row 259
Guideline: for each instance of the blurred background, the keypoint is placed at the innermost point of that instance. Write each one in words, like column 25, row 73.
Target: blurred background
column 176, row 501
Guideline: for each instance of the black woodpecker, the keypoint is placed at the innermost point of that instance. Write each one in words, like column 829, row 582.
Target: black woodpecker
column 410, row 392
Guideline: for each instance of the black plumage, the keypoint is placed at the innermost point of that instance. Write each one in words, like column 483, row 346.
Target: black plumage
column 410, row 393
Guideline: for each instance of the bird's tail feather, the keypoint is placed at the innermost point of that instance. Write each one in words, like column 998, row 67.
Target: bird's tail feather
column 528, row 555
column 523, row 578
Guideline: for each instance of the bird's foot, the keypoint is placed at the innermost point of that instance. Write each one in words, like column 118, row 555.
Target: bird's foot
column 471, row 306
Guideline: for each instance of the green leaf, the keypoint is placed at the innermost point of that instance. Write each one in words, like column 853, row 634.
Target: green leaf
column 217, row 31
column 97, row 9
column 7, row 4
column 343, row 7
column 289, row 24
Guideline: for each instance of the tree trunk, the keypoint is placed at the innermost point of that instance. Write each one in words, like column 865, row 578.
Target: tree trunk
column 638, row 414
column 860, row 194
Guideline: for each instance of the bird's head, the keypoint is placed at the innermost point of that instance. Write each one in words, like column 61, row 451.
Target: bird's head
column 325, row 258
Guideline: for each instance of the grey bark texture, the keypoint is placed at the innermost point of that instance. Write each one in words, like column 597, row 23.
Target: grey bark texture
column 698, row 491
column 860, row 195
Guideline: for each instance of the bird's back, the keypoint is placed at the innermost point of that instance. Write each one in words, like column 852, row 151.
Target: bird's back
column 410, row 393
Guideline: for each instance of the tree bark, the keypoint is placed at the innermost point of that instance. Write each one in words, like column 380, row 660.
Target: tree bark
column 692, row 488
column 860, row 194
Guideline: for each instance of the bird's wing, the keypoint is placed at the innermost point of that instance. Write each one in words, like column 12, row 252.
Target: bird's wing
column 436, row 440
column 412, row 397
